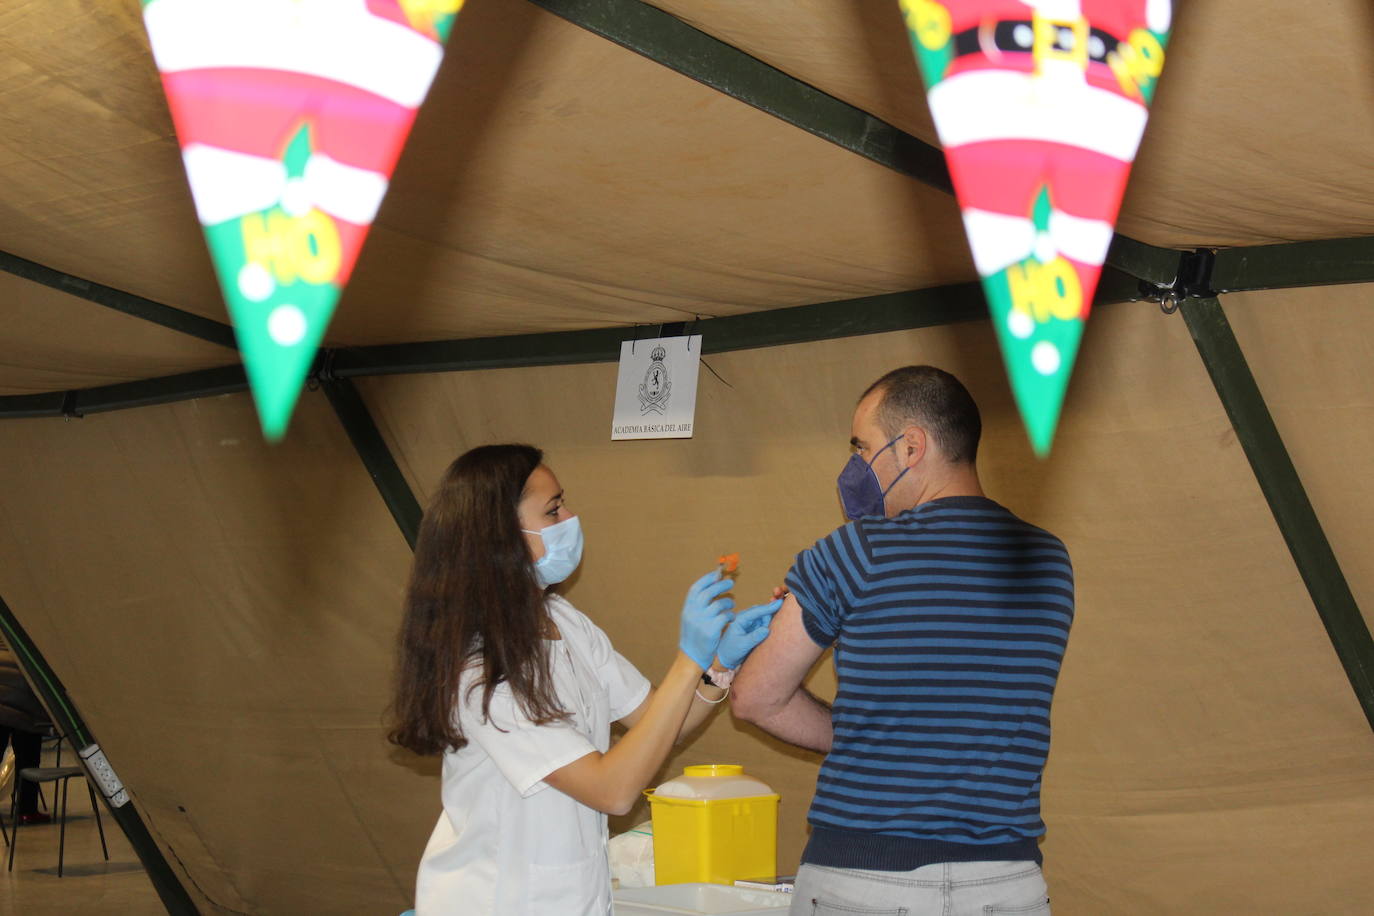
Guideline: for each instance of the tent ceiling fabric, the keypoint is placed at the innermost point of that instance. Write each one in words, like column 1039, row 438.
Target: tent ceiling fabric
column 93, row 178
column 1239, row 150
column 52, row 341
column 558, row 181
column 554, row 180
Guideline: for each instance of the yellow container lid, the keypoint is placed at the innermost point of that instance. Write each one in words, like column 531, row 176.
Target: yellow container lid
column 707, row 770
column 710, row 782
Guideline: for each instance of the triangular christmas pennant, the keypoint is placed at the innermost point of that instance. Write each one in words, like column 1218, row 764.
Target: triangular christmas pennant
column 1040, row 106
column 291, row 115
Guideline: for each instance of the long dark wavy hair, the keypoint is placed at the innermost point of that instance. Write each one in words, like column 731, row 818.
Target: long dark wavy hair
column 473, row 597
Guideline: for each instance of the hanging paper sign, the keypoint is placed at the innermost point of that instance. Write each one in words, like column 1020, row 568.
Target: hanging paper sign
column 1040, row 106
column 656, row 390
column 291, row 115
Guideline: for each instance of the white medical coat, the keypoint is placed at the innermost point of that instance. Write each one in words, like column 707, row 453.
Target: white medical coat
column 507, row 843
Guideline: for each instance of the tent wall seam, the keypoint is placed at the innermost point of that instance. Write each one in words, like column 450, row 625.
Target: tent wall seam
column 54, row 696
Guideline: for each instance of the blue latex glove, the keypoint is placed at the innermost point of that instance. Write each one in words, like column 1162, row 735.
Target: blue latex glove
column 704, row 615
column 747, row 630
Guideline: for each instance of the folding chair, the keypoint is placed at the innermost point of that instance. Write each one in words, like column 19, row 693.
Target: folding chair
column 38, row 776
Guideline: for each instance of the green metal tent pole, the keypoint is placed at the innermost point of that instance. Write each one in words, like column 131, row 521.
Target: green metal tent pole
column 796, row 324
column 669, row 41
column 372, row 449
column 121, row 807
column 1290, row 264
column 1278, row 479
column 901, row 311
column 165, row 389
column 173, row 318
column 1156, row 266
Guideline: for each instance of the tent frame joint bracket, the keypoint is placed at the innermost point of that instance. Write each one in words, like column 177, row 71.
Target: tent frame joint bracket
column 1192, row 281
column 323, row 372
column 68, row 408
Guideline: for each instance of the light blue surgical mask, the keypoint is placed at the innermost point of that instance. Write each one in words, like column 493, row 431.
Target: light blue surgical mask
column 562, row 551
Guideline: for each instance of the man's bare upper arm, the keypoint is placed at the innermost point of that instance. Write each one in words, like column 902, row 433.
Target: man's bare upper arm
column 775, row 670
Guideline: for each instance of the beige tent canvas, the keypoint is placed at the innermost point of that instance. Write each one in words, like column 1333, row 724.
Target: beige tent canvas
column 218, row 614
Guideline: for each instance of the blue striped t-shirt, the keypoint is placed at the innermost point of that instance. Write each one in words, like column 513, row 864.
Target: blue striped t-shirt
column 949, row 623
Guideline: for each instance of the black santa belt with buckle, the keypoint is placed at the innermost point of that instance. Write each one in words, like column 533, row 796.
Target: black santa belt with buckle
column 1018, row 36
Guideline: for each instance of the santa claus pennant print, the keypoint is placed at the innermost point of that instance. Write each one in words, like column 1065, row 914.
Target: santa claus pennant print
column 1040, row 106
column 291, row 115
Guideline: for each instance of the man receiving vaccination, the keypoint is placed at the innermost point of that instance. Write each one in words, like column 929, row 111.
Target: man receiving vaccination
column 948, row 616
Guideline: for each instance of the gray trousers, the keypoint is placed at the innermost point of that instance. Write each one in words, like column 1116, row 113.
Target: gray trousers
column 945, row 889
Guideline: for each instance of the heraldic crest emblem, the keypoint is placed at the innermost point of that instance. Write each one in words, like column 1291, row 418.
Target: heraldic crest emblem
column 656, row 388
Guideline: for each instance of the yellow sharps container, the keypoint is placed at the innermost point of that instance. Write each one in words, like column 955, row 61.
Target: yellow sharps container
column 713, row 824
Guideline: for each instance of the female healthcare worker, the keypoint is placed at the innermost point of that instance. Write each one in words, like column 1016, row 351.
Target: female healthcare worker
column 517, row 689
